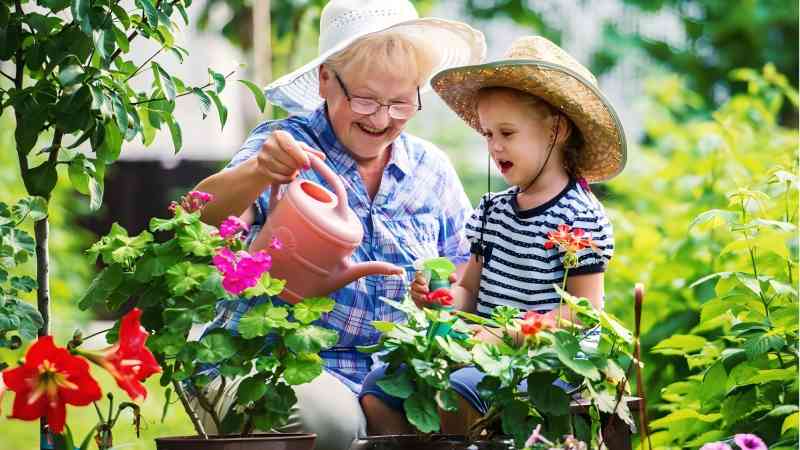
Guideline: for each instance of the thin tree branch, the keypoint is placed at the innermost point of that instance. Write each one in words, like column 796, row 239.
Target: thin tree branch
column 7, row 76
column 182, row 93
column 136, row 72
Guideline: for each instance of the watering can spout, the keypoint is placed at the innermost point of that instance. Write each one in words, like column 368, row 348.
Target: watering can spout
column 352, row 272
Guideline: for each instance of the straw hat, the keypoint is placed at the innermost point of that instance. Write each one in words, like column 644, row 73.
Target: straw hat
column 534, row 64
column 343, row 21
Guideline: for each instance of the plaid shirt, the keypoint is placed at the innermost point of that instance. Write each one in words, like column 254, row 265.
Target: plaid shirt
column 419, row 211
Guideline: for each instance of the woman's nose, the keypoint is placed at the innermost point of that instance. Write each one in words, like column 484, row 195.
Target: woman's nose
column 380, row 118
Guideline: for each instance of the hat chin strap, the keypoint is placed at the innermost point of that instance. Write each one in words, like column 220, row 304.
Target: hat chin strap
column 549, row 152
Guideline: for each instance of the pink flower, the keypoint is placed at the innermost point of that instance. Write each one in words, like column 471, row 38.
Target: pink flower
column 716, row 446
column 241, row 270
column 231, row 227
column 276, row 244
column 536, row 437
column 532, row 323
column 749, row 442
column 194, row 201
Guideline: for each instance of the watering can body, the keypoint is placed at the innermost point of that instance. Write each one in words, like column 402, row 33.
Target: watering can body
column 318, row 233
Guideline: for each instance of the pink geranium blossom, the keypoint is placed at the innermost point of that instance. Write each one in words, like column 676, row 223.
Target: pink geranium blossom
column 193, row 201
column 749, row 442
column 231, row 227
column 716, row 446
column 241, row 270
column 275, row 244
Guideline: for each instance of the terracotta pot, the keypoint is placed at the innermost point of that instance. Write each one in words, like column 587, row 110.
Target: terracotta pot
column 271, row 441
column 425, row 442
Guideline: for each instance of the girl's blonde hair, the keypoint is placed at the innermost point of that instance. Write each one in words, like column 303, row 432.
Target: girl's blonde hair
column 388, row 51
column 543, row 110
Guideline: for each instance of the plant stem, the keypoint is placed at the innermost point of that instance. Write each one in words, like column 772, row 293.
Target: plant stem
column 751, row 251
column 149, row 100
column 136, row 72
column 7, row 76
column 198, row 426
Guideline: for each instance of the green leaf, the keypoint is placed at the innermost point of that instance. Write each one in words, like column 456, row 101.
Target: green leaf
column 763, row 342
column 215, row 347
column 679, row 344
column 311, row 309
column 311, row 339
column 223, row 112
column 121, row 39
column 218, row 79
column 175, row 132
column 421, row 412
column 149, row 11
column 70, row 74
column 737, row 406
column 251, row 390
column 713, row 219
column 102, row 286
column 205, row 101
column 454, row 350
column 567, row 349
column 397, row 384
column 80, row 12
column 120, row 113
column 41, row 179
column 447, row 400
column 122, row 16
column 791, row 422
column 23, row 283
column 440, row 267
column 684, row 414
column 77, row 174
column 547, row 398
column 33, row 208
column 749, row 282
column 302, row 368
column 112, row 143
column 164, row 81
column 261, row 100
column 262, row 319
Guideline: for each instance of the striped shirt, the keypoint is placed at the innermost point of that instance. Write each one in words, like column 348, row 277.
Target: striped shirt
column 419, row 212
column 518, row 271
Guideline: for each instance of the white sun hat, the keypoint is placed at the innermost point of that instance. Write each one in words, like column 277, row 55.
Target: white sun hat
column 343, row 21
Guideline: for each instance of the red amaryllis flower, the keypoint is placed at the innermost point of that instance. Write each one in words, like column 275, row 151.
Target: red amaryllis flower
column 50, row 379
column 441, row 296
column 533, row 322
column 129, row 361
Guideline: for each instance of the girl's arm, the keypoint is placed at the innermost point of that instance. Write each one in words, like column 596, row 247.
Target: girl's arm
column 589, row 285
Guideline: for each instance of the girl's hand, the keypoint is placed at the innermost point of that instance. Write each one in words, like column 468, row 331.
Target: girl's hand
column 419, row 290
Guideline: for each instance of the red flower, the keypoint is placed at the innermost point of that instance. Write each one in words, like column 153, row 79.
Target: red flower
column 568, row 239
column 50, row 379
column 441, row 296
column 533, row 322
column 129, row 361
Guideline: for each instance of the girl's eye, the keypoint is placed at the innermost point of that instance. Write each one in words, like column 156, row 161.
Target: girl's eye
column 507, row 133
column 487, row 134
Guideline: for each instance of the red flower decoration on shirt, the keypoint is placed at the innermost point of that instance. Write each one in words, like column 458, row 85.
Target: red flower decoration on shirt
column 50, row 379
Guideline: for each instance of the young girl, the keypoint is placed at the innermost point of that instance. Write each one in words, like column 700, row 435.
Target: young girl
column 550, row 132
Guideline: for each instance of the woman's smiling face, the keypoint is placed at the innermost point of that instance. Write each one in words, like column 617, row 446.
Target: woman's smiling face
column 366, row 136
column 518, row 134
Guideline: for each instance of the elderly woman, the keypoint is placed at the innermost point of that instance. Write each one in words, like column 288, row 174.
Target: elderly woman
column 351, row 105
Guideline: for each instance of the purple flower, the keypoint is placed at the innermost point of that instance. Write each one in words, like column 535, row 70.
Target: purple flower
column 276, row 244
column 231, row 227
column 716, row 446
column 749, row 442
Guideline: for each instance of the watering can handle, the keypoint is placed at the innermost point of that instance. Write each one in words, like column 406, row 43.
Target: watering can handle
column 329, row 175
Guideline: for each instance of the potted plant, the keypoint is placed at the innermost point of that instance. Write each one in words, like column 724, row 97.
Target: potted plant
column 177, row 284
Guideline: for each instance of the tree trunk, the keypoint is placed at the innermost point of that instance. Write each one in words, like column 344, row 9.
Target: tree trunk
column 41, row 232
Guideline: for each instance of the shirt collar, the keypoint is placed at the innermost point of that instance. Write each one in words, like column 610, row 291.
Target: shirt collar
column 340, row 157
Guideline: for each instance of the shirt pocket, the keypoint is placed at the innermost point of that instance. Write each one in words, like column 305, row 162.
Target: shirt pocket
column 417, row 237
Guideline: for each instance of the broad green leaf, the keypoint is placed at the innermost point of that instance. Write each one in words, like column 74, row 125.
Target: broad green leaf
column 383, row 326
column 80, row 12
column 262, row 319
column 261, row 100
column 441, row 267
column 567, row 349
column 164, row 81
column 205, row 101
column 69, row 75
column 679, row 345
column 447, row 400
column 737, row 406
column 768, row 375
column 421, row 412
column 251, row 390
column 454, row 350
column 23, row 283
column 302, row 368
column 398, row 384
column 762, row 343
column 78, row 176
column 41, row 179
column 101, row 287
column 713, row 386
column 713, row 219
column 684, row 414
column 215, row 347
column 311, row 339
column 33, row 208
column 175, row 132
column 311, row 309
column 149, row 11
column 547, row 398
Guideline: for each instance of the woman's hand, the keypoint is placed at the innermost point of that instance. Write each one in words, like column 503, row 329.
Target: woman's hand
column 282, row 156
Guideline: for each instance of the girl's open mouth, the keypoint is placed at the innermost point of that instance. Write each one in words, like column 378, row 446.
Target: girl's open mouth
column 505, row 166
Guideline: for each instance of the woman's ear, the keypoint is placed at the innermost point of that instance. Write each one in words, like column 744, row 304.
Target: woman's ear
column 324, row 81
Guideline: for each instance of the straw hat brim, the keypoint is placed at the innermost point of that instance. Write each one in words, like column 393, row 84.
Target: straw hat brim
column 451, row 44
column 603, row 154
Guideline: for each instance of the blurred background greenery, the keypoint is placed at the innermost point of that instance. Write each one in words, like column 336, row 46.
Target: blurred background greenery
column 668, row 63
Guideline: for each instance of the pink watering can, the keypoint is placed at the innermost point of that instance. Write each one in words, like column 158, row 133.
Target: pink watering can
column 318, row 233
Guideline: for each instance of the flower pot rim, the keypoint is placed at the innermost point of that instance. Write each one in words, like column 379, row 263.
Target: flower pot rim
column 240, row 438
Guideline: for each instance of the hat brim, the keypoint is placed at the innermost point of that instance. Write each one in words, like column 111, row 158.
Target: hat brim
column 604, row 151
column 450, row 43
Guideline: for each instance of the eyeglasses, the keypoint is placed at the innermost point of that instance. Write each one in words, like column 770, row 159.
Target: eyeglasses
column 368, row 106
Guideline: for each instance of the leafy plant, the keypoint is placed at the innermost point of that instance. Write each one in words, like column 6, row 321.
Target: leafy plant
column 177, row 284
column 688, row 163
column 19, row 321
column 421, row 354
